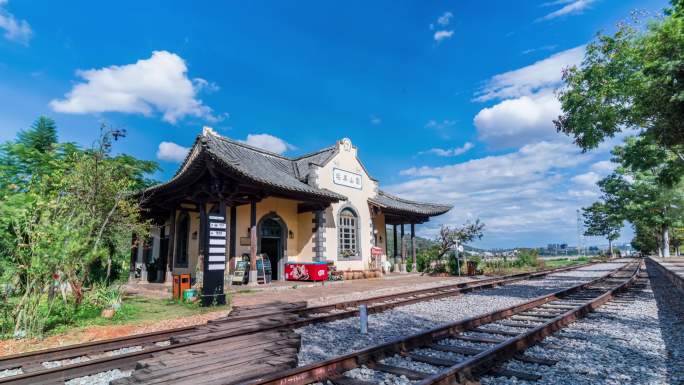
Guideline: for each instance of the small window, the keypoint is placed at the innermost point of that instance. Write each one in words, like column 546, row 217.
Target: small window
column 348, row 233
column 183, row 232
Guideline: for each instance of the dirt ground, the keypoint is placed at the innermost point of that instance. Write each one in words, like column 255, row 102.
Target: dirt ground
column 314, row 295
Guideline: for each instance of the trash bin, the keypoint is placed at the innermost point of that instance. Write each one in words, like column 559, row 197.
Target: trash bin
column 181, row 282
column 471, row 266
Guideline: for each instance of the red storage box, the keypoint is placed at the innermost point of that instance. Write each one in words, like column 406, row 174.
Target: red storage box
column 306, row 271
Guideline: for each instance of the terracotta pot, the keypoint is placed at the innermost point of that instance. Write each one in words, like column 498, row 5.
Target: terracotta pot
column 358, row 275
column 347, row 275
column 108, row 313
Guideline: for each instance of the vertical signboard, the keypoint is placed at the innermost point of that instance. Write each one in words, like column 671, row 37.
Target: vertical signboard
column 215, row 259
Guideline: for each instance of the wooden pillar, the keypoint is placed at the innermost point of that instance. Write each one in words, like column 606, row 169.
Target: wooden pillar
column 168, row 279
column 395, row 250
column 134, row 257
column 233, row 234
column 203, row 238
column 252, row 245
column 403, row 250
column 414, row 264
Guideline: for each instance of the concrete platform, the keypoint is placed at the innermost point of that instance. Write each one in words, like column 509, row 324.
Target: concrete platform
column 673, row 268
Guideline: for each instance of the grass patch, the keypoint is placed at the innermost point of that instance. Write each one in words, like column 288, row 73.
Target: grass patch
column 134, row 310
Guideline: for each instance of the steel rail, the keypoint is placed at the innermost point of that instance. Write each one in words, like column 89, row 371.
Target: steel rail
column 128, row 360
column 88, row 348
column 334, row 367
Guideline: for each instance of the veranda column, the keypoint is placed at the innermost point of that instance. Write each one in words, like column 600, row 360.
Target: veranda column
column 319, row 235
column 252, row 245
column 142, row 254
column 233, row 237
column 414, row 265
column 395, row 250
column 168, row 280
column 403, row 250
column 134, row 257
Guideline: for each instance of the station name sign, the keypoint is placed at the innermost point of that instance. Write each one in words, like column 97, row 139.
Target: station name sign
column 347, row 178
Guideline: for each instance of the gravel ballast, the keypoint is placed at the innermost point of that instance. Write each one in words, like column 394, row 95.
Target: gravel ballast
column 636, row 342
column 323, row 341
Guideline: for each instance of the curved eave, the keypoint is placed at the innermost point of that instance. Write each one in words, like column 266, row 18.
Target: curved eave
column 194, row 165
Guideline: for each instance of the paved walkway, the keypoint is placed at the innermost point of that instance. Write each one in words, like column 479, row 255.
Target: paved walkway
column 675, row 269
column 338, row 291
column 313, row 292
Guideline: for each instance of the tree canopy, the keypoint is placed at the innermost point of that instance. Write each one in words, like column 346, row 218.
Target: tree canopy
column 64, row 210
column 630, row 81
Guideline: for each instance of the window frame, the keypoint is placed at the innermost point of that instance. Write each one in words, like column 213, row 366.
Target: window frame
column 352, row 231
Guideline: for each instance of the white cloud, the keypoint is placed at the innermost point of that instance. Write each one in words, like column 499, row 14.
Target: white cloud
column 528, row 105
column 515, row 122
column 521, row 196
column 588, row 179
column 442, row 35
column 159, row 83
column 171, row 152
column 532, row 78
column 15, row 30
column 268, row 142
column 445, row 18
column 374, row 119
column 571, row 7
column 467, row 146
column 604, row 167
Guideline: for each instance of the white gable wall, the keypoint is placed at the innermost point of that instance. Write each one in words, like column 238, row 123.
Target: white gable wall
column 347, row 163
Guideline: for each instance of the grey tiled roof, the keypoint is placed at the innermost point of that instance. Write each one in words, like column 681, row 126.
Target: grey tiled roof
column 279, row 172
column 393, row 203
column 319, row 158
column 249, row 162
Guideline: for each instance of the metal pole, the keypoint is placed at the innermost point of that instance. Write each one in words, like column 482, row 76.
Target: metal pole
column 363, row 318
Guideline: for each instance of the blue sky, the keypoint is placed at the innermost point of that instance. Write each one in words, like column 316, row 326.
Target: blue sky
column 448, row 101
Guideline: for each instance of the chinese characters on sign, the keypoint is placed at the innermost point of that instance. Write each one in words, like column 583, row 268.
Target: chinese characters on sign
column 347, row 178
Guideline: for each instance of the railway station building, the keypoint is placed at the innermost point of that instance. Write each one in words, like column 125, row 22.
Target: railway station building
column 229, row 199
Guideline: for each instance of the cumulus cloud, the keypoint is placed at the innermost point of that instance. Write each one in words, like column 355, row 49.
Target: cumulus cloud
column 171, row 152
column 570, row 7
column 515, row 122
column 588, row 179
column 521, row 196
column 527, row 105
column 268, row 142
column 604, row 167
column 15, row 30
column 467, row 146
column 157, row 84
column 532, row 78
column 443, row 35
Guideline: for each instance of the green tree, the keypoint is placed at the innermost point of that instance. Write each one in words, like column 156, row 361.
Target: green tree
column 632, row 80
column 67, row 210
column 601, row 220
column 450, row 238
column 637, row 192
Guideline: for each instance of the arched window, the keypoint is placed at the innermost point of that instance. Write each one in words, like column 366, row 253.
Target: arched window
column 348, row 233
column 183, row 233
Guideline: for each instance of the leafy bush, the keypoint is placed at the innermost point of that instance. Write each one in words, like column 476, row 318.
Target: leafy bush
column 527, row 258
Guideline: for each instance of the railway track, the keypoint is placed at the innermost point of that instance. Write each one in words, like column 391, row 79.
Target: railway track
column 463, row 351
column 60, row 364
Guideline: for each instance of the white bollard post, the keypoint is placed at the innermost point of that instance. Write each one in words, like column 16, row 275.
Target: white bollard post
column 363, row 317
